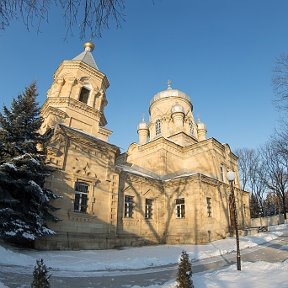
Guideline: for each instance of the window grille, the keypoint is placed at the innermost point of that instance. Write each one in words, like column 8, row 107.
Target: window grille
column 180, row 208
column 158, row 127
column 129, row 204
column 209, row 208
column 81, row 197
column 191, row 128
column 148, row 208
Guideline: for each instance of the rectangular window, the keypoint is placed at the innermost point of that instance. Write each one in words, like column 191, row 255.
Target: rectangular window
column 209, row 209
column 148, row 208
column 81, row 197
column 129, row 203
column 180, row 208
column 84, row 95
column 191, row 127
column 222, row 172
column 158, row 127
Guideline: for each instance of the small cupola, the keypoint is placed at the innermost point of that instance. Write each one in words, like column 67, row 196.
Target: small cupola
column 143, row 132
column 201, row 129
column 142, row 125
column 177, row 108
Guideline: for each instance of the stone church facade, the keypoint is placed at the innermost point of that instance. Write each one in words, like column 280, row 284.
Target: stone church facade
column 170, row 187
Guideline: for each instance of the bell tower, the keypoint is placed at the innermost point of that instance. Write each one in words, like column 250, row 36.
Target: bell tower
column 77, row 96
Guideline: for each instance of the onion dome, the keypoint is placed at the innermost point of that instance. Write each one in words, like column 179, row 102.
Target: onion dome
column 142, row 125
column 177, row 108
column 201, row 125
column 169, row 92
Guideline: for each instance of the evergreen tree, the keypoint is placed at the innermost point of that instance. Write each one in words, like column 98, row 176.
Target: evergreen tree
column 20, row 125
column 184, row 274
column 24, row 202
column 40, row 275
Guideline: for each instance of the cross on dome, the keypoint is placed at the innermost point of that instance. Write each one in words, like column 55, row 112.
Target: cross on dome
column 169, row 82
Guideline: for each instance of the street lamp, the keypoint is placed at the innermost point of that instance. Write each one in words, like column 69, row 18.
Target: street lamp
column 231, row 178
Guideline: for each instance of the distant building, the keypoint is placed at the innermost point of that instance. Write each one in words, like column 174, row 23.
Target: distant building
column 170, row 187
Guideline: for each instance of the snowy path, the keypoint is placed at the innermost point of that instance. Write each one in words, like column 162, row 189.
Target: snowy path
column 274, row 251
column 153, row 266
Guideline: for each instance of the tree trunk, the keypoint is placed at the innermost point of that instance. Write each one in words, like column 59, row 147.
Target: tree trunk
column 284, row 206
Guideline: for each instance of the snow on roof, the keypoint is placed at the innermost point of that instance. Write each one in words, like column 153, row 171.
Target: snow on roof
column 136, row 170
column 191, row 174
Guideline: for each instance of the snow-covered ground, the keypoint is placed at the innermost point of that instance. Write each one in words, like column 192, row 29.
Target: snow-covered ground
column 258, row 274
column 114, row 262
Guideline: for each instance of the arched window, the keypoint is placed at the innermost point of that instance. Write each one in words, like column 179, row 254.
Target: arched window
column 191, row 127
column 158, row 127
column 81, row 197
column 84, row 95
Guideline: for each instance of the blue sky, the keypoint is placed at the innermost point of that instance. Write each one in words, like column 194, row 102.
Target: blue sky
column 221, row 53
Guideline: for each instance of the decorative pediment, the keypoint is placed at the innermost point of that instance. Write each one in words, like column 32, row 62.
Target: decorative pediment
column 151, row 193
column 182, row 139
column 81, row 167
column 56, row 112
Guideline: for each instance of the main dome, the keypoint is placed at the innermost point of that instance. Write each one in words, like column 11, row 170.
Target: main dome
column 169, row 92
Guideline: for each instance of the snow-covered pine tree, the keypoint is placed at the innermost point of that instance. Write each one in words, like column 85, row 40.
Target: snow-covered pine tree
column 40, row 275
column 184, row 274
column 20, row 125
column 24, row 202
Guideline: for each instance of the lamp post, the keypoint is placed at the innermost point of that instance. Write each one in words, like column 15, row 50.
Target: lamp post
column 231, row 178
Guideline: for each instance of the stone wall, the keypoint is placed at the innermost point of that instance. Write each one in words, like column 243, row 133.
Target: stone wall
column 268, row 221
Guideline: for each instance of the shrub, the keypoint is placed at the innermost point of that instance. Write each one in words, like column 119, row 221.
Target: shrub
column 40, row 275
column 184, row 274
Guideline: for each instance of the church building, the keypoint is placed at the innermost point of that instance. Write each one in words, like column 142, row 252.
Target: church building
column 168, row 188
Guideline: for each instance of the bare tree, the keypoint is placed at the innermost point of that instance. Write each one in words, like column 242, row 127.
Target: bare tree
column 257, row 182
column 279, row 161
column 92, row 16
column 250, row 167
column 280, row 81
column 280, row 139
column 275, row 172
column 245, row 158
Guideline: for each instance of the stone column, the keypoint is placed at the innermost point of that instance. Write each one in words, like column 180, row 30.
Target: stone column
column 178, row 119
column 70, row 81
column 142, row 134
column 56, row 87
